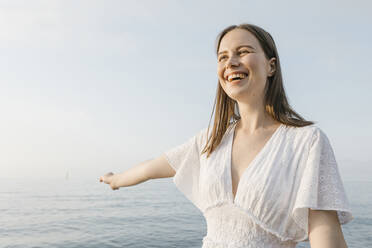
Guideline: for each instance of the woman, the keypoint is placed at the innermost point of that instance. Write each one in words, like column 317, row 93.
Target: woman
column 262, row 176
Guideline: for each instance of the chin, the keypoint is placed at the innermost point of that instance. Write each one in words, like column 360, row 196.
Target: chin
column 235, row 92
column 237, row 96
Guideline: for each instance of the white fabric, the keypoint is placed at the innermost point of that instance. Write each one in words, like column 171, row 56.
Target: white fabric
column 295, row 170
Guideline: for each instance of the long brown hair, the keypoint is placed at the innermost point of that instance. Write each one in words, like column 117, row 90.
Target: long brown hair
column 276, row 103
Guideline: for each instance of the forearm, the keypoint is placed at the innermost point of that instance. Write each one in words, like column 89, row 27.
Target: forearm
column 135, row 175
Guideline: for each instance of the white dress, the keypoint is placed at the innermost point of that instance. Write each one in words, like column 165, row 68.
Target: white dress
column 294, row 171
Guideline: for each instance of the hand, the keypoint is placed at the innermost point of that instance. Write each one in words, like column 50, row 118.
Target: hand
column 108, row 179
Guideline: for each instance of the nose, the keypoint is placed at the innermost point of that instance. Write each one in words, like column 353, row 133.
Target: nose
column 232, row 61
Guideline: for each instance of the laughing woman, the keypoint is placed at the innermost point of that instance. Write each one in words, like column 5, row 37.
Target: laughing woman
column 262, row 175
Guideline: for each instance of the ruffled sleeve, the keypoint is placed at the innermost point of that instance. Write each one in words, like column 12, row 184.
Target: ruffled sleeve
column 185, row 160
column 321, row 186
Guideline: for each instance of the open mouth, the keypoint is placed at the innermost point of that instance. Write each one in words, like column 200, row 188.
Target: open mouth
column 236, row 77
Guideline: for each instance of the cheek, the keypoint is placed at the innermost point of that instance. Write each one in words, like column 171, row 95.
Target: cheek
column 251, row 62
column 220, row 71
column 255, row 63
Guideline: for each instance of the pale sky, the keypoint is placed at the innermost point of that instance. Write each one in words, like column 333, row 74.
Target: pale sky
column 88, row 87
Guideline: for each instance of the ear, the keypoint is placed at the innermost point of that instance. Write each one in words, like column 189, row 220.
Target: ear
column 272, row 63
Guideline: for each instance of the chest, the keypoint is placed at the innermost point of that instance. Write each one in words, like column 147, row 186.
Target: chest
column 242, row 166
column 245, row 148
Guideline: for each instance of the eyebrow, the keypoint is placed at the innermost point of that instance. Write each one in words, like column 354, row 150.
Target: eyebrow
column 238, row 48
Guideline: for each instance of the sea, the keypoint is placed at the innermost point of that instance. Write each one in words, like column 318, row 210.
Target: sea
column 77, row 213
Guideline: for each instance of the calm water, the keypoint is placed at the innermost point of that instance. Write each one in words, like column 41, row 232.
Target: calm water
column 75, row 213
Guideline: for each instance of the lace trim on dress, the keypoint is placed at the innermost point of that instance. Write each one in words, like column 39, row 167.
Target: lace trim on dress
column 230, row 227
column 261, row 243
column 255, row 219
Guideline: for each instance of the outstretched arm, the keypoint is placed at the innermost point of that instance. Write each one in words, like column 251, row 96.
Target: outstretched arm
column 150, row 169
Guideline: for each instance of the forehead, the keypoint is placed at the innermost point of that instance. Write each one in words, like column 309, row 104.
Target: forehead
column 236, row 38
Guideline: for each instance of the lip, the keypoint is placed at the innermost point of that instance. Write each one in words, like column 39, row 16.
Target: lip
column 236, row 82
column 235, row 72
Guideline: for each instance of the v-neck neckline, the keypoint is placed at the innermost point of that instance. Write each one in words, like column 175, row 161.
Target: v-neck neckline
column 259, row 154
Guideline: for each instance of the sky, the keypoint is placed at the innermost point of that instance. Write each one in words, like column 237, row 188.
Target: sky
column 88, row 87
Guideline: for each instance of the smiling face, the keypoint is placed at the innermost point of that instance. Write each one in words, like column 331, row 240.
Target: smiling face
column 243, row 68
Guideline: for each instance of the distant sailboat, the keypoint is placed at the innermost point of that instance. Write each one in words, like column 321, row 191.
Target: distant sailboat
column 67, row 176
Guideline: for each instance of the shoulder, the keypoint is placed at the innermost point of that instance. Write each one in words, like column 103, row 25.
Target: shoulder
column 306, row 134
column 304, row 129
column 201, row 137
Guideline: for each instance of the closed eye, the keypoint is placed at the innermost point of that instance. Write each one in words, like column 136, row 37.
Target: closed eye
column 244, row 51
column 222, row 57
column 240, row 52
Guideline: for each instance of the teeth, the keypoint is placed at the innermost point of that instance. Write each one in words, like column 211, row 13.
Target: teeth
column 235, row 75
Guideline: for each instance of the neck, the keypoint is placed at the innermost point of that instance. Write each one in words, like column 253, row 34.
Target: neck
column 254, row 117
